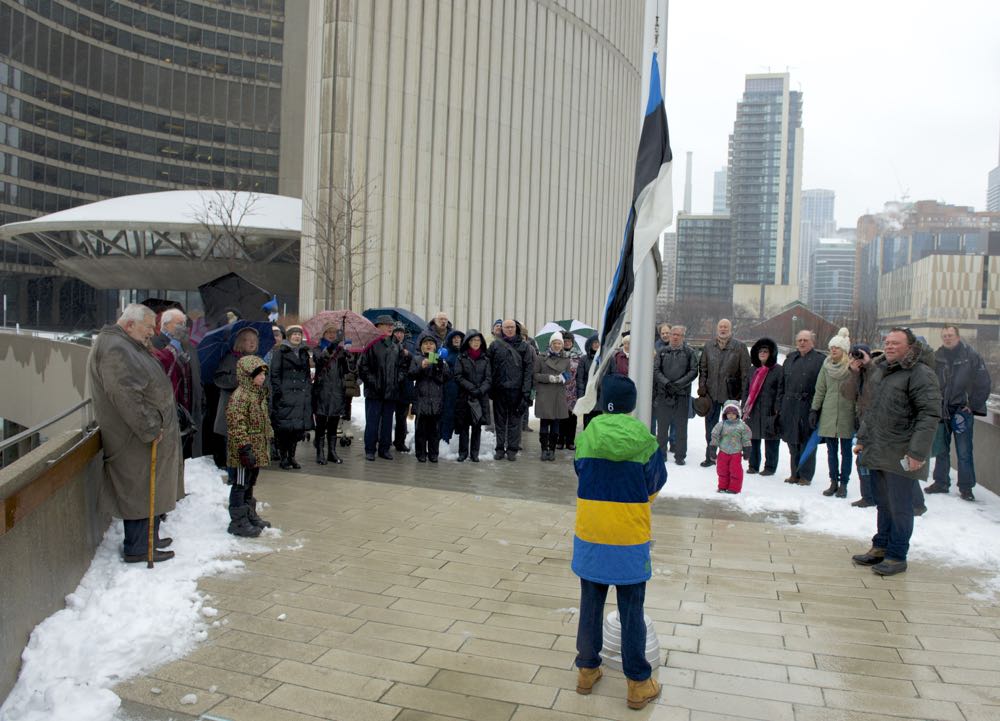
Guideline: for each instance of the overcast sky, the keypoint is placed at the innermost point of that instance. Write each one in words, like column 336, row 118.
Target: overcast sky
column 898, row 97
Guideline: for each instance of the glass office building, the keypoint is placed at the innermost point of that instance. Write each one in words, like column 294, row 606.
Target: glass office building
column 106, row 98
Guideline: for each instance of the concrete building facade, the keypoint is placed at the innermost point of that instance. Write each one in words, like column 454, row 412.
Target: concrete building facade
column 471, row 156
column 929, row 265
column 765, row 185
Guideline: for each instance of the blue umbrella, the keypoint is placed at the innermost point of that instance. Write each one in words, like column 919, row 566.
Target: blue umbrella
column 218, row 343
column 413, row 322
column 810, row 448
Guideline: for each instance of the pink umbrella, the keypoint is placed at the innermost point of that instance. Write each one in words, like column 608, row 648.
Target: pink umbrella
column 360, row 331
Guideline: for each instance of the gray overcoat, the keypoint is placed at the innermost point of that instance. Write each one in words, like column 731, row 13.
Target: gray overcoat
column 133, row 404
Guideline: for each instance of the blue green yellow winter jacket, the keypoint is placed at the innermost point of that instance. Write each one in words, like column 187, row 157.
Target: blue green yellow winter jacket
column 620, row 469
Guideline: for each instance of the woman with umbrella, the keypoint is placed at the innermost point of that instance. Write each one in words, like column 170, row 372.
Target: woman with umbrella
column 291, row 404
column 329, row 398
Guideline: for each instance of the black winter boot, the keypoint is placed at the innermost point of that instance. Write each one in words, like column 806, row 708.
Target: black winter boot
column 463, row 445
column 841, row 491
column 331, row 448
column 292, row 463
column 474, row 449
column 252, row 514
column 834, row 484
column 320, row 458
column 284, row 464
column 239, row 524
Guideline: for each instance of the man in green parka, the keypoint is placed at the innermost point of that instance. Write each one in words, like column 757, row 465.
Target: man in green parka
column 895, row 438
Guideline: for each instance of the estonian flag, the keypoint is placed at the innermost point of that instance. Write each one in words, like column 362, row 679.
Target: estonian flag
column 651, row 213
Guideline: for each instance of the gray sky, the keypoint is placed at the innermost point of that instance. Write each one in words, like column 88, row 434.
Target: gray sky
column 897, row 96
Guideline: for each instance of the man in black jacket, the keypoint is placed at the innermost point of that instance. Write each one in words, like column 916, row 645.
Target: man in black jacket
column 512, row 361
column 381, row 369
column 673, row 372
column 723, row 374
column 795, row 394
column 965, row 387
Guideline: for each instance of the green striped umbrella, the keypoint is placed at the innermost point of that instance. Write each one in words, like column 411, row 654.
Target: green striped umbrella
column 579, row 330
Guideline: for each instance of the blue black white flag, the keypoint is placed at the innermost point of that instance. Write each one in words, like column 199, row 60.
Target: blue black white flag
column 651, row 213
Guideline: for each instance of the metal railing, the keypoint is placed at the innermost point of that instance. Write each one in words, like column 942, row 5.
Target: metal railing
column 85, row 407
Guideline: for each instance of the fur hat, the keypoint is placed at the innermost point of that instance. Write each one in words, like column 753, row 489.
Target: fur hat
column 617, row 394
column 842, row 340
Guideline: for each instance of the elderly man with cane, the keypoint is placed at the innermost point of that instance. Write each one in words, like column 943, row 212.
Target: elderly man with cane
column 135, row 408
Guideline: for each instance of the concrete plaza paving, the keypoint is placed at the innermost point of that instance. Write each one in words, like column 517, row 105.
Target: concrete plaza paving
column 411, row 592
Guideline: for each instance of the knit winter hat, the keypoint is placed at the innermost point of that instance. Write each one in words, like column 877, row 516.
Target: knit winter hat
column 557, row 336
column 293, row 328
column 731, row 406
column 617, row 394
column 861, row 347
column 842, row 340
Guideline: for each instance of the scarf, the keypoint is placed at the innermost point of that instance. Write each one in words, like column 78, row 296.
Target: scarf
column 756, row 383
column 837, row 371
column 475, row 353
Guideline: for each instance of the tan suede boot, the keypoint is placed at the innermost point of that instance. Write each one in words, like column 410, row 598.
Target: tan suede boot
column 586, row 678
column 641, row 693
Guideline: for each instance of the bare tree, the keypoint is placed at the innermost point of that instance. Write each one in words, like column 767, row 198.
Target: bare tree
column 221, row 214
column 699, row 314
column 340, row 230
column 864, row 324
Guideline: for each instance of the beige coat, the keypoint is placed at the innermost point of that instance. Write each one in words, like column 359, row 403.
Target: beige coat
column 134, row 403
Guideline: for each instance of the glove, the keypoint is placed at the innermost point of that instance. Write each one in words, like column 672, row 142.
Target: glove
column 247, row 457
column 556, row 379
column 746, row 454
column 443, row 353
column 813, row 419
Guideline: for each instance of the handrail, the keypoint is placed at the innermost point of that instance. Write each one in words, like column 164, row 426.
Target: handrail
column 23, row 435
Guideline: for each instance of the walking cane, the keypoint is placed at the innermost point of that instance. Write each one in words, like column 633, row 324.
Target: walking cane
column 152, row 499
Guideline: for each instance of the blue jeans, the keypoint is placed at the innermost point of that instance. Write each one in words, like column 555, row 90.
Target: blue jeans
column 378, row 424
column 865, row 481
column 894, row 498
column 963, row 449
column 839, row 472
column 590, row 633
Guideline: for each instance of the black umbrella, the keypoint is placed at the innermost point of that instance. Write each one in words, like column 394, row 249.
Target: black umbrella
column 217, row 344
column 232, row 292
column 158, row 305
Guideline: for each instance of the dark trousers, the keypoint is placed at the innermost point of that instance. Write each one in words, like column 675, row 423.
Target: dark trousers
column 472, row 432
column 326, row 426
column 378, row 424
column 771, row 450
column 243, row 481
column 963, row 449
column 710, row 420
column 402, row 411
column 287, row 442
column 567, row 430
column 840, row 470
column 427, row 435
column 806, row 470
column 865, row 484
column 672, row 427
column 549, row 426
column 137, row 535
column 590, row 632
column 508, row 424
column 894, row 498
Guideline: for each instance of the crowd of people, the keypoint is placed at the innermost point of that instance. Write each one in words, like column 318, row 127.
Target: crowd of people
column 454, row 383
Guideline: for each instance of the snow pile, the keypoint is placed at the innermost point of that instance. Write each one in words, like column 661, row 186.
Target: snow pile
column 124, row 619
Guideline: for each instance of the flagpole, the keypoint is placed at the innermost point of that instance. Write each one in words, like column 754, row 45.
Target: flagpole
column 644, row 297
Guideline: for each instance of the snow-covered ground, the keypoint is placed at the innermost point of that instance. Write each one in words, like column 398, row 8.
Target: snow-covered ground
column 124, row 620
